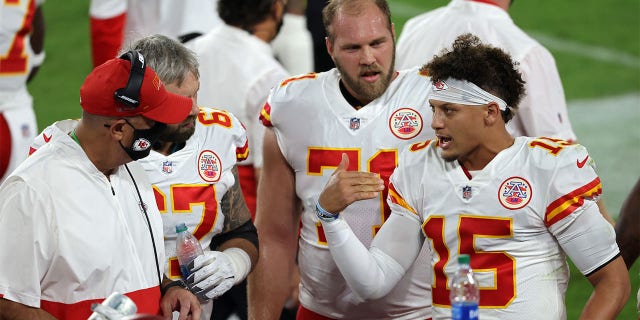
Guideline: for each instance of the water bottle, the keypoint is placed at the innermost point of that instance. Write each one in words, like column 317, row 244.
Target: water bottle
column 465, row 294
column 187, row 248
column 114, row 307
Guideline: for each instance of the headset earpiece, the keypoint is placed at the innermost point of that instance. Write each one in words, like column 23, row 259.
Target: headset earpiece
column 130, row 95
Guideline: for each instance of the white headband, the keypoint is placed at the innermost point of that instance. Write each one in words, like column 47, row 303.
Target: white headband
column 463, row 92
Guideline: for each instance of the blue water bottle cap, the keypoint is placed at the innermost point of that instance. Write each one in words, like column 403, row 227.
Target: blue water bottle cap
column 181, row 227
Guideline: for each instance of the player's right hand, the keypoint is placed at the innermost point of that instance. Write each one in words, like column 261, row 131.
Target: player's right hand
column 346, row 187
column 212, row 275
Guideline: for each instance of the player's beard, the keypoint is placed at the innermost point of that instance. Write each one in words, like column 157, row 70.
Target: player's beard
column 368, row 91
column 181, row 132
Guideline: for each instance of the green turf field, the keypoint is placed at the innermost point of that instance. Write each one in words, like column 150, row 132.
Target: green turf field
column 597, row 49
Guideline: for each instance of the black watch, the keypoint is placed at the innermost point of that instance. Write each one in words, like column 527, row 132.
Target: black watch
column 178, row 283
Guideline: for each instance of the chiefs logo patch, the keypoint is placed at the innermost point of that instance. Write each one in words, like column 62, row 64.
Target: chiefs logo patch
column 405, row 123
column 209, row 166
column 514, row 193
column 141, row 144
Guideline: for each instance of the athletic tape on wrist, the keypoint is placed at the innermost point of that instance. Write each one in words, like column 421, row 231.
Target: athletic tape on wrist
column 37, row 59
column 240, row 261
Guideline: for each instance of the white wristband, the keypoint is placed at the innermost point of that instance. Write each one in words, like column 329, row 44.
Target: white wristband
column 240, row 261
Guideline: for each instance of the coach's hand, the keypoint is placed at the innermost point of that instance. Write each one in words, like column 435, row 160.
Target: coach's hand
column 346, row 187
column 178, row 299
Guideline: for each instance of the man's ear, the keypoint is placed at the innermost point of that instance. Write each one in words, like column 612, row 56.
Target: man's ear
column 493, row 113
column 277, row 10
column 393, row 31
column 116, row 129
column 329, row 46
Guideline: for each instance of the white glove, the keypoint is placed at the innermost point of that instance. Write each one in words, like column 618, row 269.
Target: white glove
column 215, row 272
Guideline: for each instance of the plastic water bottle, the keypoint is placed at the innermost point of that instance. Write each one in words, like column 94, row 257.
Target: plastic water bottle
column 114, row 307
column 465, row 294
column 187, row 248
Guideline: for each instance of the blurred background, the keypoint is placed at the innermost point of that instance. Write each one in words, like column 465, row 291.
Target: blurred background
column 596, row 45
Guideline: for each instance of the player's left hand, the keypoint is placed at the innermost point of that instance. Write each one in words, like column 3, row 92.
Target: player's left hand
column 211, row 275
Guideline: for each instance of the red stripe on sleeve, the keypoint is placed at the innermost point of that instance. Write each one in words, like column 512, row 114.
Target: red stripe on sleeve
column 265, row 115
column 396, row 198
column 242, row 153
column 568, row 203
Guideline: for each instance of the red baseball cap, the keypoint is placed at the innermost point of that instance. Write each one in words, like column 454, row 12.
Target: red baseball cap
column 156, row 103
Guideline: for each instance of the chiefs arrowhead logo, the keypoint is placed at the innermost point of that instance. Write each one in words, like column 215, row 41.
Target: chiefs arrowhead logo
column 440, row 85
column 141, row 144
column 581, row 164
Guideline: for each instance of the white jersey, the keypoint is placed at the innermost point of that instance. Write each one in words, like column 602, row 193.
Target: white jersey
column 237, row 70
column 543, row 110
column 293, row 46
column 73, row 236
column 168, row 17
column 18, row 124
column 516, row 218
column 190, row 183
column 15, row 50
column 314, row 125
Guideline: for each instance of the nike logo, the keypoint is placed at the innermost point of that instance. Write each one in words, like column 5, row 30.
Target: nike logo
column 46, row 139
column 581, row 164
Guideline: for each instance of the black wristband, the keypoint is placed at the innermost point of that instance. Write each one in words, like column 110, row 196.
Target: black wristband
column 177, row 283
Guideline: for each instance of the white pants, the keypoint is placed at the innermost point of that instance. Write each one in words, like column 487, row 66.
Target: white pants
column 21, row 119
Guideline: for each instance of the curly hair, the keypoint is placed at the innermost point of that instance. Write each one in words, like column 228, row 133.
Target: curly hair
column 488, row 67
column 243, row 13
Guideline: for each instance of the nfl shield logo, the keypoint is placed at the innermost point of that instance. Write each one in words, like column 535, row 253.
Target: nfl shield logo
column 466, row 192
column 167, row 166
column 26, row 132
column 354, row 123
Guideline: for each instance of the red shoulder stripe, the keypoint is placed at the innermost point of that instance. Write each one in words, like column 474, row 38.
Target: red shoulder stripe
column 265, row 115
column 395, row 197
column 568, row 203
column 243, row 152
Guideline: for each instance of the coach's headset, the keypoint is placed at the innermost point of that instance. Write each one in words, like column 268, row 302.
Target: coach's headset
column 130, row 97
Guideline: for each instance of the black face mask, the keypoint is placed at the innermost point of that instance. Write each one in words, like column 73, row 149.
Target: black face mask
column 143, row 139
